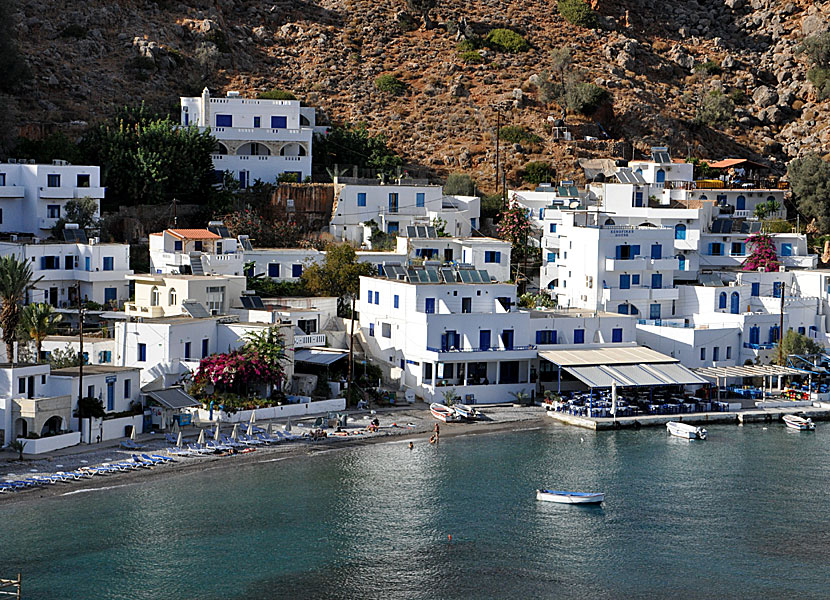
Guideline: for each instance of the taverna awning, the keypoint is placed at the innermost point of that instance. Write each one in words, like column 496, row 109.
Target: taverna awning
column 318, row 356
column 745, row 371
column 633, row 366
column 173, row 398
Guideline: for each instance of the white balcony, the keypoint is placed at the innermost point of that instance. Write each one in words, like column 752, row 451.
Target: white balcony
column 262, row 134
column 47, row 223
column 620, row 264
column 663, row 264
column 623, row 294
column 664, row 294
column 89, row 192
column 12, row 191
column 277, row 163
column 57, row 193
column 135, row 310
column 307, row 341
column 801, row 262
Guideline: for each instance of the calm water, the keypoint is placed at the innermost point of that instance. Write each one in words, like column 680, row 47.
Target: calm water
column 743, row 515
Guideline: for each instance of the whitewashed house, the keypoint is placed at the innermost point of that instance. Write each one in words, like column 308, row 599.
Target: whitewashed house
column 256, row 139
column 210, row 251
column 59, row 267
column 175, row 295
column 33, row 196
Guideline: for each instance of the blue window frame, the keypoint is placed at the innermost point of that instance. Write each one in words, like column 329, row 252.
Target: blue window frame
column 553, row 227
column 622, row 309
column 547, row 336
column 703, row 354
column 728, row 352
column 777, row 287
column 616, row 335
column 735, row 303
column 110, row 295
column 715, row 249
column 53, row 180
column 802, row 331
column 369, row 297
column 296, row 271
column 754, row 334
column 377, row 297
column 680, row 231
column 393, row 202
column 53, row 211
column 257, row 122
column 492, row 257
column 187, row 350
column 224, row 120
column 756, row 289
column 786, row 249
column 396, row 301
column 142, row 352
column 205, row 347
column 635, row 280
column 638, row 199
column 361, row 199
column 681, row 262
column 371, row 330
column 773, row 334
column 128, row 389
column 722, row 300
column 110, row 395
column 625, row 281
column 108, row 262
column 484, row 339
column 654, row 312
column 656, row 281
column 656, row 251
column 393, row 227
column 279, row 122
column 420, row 199
column 661, row 176
column 429, row 305
column 740, row 203
column 507, row 339
column 274, row 270
column 177, row 246
column 737, row 249
column 579, row 336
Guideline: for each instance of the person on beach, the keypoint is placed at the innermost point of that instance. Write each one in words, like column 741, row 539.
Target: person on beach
column 437, row 433
column 411, row 445
column 432, row 439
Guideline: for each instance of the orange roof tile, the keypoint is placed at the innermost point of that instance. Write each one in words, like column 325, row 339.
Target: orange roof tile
column 194, row 234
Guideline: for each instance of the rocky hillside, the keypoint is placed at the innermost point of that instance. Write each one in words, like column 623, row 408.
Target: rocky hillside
column 659, row 60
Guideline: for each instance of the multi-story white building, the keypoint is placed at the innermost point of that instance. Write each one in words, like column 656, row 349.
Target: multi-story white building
column 196, row 251
column 59, row 267
column 391, row 208
column 175, row 295
column 256, row 139
column 33, row 197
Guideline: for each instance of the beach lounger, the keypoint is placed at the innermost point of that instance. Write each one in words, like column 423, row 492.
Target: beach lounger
column 130, row 445
column 157, row 457
column 250, row 441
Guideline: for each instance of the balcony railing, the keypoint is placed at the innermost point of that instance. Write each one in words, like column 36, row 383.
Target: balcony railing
column 491, row 349
column 304, row 341
column 767, row 346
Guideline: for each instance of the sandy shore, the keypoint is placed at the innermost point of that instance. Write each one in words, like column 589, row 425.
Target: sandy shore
column 415, row 423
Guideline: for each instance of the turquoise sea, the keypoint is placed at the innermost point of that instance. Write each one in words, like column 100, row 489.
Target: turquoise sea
column 745, row 514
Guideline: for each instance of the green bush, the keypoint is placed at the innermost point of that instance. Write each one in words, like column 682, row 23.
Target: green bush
column 585, row 98
column 738, row 96
column 459, row 184
column 576, row 12
column 516, row 135
column 288, row 178
column 468, row 44
column 391, row 85
column 820, row 78
column 491, row 206
column 778, row 226
column 505, row 40
column 710, row 67
column 277, row 94
column 471, row 57
column 537, row 172
column 716, row 108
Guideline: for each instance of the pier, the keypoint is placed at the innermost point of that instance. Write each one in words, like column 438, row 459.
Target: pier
column 766, row 415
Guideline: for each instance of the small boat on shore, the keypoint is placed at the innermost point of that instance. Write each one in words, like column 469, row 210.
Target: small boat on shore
column 570, row 497
column 799, row 423
column 443, row 413
column 686, row 431
column 465, row 411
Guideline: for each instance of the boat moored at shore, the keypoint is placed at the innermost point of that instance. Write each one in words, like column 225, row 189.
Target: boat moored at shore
column 443, row 413
column 570, row 497
column 686, row 431
column 799, row 423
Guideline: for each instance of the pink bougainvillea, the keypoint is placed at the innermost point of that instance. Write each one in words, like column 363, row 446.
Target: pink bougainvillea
column 236, row 369
column 762, row 253
column 514, row 225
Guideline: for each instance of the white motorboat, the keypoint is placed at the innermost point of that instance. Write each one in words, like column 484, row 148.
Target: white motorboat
column 570, row 497
column 799, row 423
column 686, row 431
column 443, row 412
column 465, row 411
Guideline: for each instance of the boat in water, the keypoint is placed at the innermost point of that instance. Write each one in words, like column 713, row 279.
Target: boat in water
column 686, row 431
column 570, row 497
column 443, row 412
column 465, row 411
column 799, row 423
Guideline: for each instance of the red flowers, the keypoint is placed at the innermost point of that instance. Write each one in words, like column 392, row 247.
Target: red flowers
column 763, row 254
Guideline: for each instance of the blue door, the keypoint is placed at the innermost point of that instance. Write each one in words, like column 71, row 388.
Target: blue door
column 110, row 395
column 735, row 303
column 754, row 334
column 756, row 289
column 87, row 264
column 616, row 335
column 661, row 176
column 654, row 312
column 110, row 295
column 656, row 281
column 656, row 251
column 741, row 203
column 681, row 262
column 625, row 282
column 507, row 339
column 484, row 340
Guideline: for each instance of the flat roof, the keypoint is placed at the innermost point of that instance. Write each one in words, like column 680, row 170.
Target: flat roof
column 745, row 371
column 630, row 355
column 92, row 370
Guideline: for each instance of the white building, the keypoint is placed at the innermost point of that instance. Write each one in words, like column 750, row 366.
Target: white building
column 175, row 295
column 58, row 267
column 33, row 197
column 391, row 208
column 256, row 139
column 210, row 251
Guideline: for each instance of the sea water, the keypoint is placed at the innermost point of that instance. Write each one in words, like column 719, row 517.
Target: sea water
column 745, row 514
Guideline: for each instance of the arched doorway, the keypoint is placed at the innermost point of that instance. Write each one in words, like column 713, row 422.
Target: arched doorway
column 253, row 149
column 21, row 428
column 293, row 149
column 52, row 426
column 661, row 176
column 220, row 148
column 735, row 303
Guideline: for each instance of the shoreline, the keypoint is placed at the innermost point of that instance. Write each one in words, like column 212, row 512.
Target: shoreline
column 500, row 419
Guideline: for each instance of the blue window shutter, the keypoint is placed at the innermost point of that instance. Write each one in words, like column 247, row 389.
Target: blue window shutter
column 377, row 297
column 361, row 199
column 756, row 289
column 498, row 257
column 279, row 122
column 397, row 300
column 42, row 263
column 616, row 335
column 369, row 299
column 224, row 120
column 635, row 279
column 618, row 253
column 635, row 250
column 419, row 199
column 538, row 337
column 273, row 270
column 553, row 337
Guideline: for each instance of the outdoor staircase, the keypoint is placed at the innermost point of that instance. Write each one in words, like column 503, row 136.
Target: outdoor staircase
column 196, row 266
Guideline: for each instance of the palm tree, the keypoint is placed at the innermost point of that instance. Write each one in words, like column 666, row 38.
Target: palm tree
column 37, row 321
column 18, row 446
column 15, row 280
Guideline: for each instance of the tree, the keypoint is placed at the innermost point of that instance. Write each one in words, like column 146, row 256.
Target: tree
column 354, row 145
column 765, row 209
column 90, row 407
column 15, row 281
column 797, row 343
column 716, row 108
column 537, row 172
column 18, row 446
column 149, row 159
column 560, row 64
column 83, row 212
column 577, row 12
column 817, row 49
column 37, row 321
column 61, row 359
column 267, row 343
column 338, row 275
column 762, row 253
column 459, row 184
column 514, row 225
column 810, row 182
column 585, row 98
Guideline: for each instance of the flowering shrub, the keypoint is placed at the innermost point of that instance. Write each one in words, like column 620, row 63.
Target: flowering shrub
column 762, row 253
column 514, row 225
column 235, row 370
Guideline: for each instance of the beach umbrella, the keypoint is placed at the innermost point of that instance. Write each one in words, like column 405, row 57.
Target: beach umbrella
column 287, row 425
column 250, row 431
column 614, row 398
column 175, row 428
column 179, row 440
column 201, row 440
column 253, row 417
column 235, row 432
column 217, row 435
column 132, row 434
column 271, row 428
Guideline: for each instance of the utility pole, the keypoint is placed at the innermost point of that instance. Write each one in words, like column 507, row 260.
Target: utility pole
column 781, row 329
column 498, row 131
column 81, row 354
column 351, row 349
